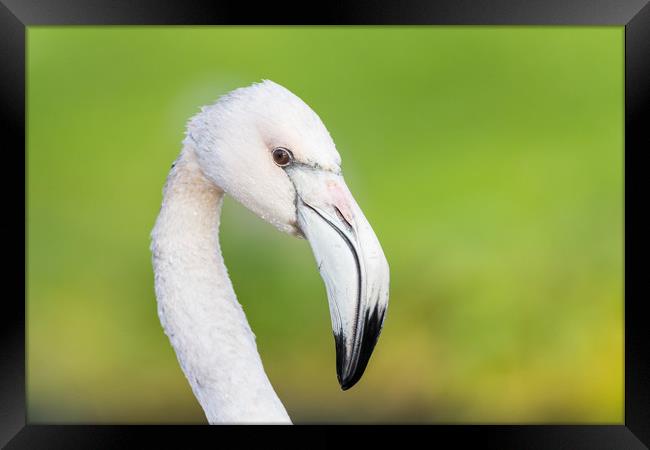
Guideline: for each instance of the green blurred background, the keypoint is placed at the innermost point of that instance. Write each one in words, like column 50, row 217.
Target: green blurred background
column 489, row 161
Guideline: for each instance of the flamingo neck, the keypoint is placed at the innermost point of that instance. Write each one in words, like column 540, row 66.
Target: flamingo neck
column 197, row 305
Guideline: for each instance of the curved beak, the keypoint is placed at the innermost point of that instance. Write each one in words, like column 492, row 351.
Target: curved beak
column 351, row 263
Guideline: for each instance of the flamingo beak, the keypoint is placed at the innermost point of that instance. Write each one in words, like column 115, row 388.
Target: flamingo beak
column 351, row 263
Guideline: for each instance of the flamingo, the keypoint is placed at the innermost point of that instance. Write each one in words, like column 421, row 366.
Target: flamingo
column 266, row 148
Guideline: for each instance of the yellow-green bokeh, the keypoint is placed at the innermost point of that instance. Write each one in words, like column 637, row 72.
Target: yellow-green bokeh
column 489, row 161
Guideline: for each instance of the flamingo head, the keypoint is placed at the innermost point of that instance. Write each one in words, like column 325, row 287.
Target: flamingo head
column 270, row 151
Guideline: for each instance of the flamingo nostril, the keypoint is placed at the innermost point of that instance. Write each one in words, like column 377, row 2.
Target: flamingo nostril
column 342, row 217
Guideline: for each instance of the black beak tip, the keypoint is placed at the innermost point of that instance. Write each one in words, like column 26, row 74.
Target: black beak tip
column 347, row 380
column 371, row 333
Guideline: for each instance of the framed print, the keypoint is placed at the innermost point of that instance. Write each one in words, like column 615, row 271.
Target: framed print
column 451, row 188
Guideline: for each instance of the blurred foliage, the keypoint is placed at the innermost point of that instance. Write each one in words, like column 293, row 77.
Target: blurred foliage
column 489, row 161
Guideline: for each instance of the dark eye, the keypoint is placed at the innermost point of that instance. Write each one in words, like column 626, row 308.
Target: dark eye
column 282, row 157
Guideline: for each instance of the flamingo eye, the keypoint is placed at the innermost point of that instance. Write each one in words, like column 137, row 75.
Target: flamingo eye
column 282, row 157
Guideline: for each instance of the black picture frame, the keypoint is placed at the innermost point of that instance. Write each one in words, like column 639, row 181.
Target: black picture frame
column 16, row 15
